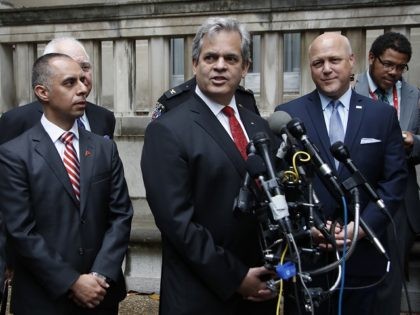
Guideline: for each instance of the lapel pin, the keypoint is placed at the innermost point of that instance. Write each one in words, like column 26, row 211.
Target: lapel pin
column 88, row 153
column 358, row 106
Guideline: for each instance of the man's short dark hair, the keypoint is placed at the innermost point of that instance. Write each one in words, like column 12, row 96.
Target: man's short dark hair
column 392, row 40
column 41, row 70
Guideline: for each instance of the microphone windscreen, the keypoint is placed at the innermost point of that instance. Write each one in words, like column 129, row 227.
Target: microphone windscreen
column 255, row 166
column 340, row 151
column 278, row 120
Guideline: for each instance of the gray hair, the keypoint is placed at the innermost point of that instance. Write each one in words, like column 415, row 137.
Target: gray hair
column 54, row 45
column 215, row 25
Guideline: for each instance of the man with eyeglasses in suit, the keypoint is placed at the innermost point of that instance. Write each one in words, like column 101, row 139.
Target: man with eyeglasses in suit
column 388, row 60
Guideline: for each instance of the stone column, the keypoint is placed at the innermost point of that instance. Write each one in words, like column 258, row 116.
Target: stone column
column 124, row 76
column 405, row 30
column 357, row 38
column 188, row 71
column 306, row 83
column 7, row 87
column 271, row 86
column 25, row 55
column 143, row 97
column 158, row 67
column 94, row 50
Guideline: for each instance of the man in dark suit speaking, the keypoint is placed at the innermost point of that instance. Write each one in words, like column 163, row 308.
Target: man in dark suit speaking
column 193, row 166
column 97, row 119
column 65, row 203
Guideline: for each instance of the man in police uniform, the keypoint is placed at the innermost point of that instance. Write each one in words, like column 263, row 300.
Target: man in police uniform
column 179, row 94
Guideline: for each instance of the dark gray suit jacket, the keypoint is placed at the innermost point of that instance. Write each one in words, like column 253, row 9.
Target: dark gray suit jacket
column 54, row 239
column 192, row 173
column 409, row 121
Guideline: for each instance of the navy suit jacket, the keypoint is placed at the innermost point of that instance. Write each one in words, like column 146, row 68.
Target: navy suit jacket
column 192, row 173
column 19, row 119
column 54, row 239
column 374, row 140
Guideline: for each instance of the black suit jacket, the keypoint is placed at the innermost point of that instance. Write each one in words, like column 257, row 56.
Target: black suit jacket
column 192, row 172
column 54, row 239
column 374, row 140
column 17, row 120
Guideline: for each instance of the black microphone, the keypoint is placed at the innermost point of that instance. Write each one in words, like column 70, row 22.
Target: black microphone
column 262, row 144
column 255, row 166
column 298, row 130
column 277, row 123
column 341, row 153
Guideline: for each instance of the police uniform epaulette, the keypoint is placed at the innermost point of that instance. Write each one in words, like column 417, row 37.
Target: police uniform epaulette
column 241, row 89
column 177, row 90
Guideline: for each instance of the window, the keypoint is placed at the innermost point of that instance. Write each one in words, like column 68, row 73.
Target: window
column 177, row 61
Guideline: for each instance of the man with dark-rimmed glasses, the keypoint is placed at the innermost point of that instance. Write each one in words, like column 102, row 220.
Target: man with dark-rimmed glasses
column 388, row 60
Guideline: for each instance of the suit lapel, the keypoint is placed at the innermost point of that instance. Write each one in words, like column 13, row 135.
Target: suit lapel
column 95, row 121
column 204, row 117
column 410, row 102
column 87, row 158
column 46, row 148
column 250, row 123
column 362, row 85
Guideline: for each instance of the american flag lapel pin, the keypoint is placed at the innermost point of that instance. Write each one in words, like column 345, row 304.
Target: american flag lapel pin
column 88, row 153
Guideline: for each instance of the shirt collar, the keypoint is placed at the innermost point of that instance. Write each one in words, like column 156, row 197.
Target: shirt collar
column 84, row 118
column 215, row 107
column 344, row 99
column 54, row 131
column 373, row 86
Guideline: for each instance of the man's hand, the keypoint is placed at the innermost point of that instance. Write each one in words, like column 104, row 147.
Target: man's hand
column 88, row 291
column 408, row 139
column 338, row 235
column 255, row 289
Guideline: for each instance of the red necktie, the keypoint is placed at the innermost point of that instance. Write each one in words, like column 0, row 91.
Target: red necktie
column 236, row 130
column 71, row 162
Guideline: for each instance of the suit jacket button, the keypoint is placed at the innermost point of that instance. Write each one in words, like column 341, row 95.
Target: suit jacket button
column 81, row 251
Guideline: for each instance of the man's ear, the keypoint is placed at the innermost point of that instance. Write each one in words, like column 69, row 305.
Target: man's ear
column 41, row 92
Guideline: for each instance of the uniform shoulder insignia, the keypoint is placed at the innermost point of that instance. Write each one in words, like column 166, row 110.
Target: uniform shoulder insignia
column 173, row 92
column 158, row 111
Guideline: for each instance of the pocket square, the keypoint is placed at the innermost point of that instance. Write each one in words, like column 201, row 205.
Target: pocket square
column 369, row 140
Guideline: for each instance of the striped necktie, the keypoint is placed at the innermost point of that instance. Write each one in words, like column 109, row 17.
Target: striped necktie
column 382, row 95
column 71, row 162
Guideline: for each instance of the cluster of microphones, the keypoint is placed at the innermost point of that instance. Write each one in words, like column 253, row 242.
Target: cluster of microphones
column 264, row 186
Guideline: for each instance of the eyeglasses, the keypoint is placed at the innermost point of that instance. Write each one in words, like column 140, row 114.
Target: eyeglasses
column 389, row 66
